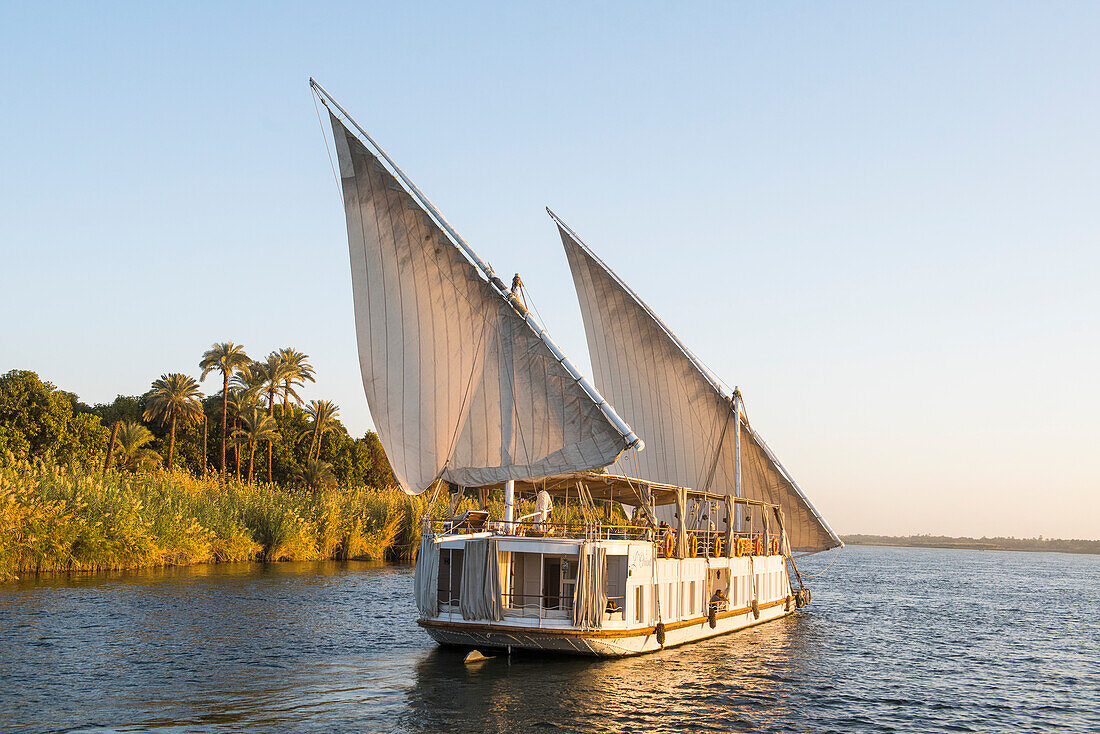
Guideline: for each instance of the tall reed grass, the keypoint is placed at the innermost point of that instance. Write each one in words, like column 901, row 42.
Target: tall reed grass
column 56, row 519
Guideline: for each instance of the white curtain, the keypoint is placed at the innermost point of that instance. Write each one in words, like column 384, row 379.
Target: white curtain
column 427, row 577
column 480, row 595
column 590, row 596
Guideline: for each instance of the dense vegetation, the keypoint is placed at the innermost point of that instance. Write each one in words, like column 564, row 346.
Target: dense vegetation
column 55, row 518
column 172, row 476
column 183, row 429
column 1051, row 545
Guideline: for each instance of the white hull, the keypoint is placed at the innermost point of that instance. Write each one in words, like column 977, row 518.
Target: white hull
column 600, row 643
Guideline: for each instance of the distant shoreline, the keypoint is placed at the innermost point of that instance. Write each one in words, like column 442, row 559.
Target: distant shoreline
column 1033, row 545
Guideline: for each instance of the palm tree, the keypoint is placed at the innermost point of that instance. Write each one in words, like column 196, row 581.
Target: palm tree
column 241, row 401
column 296, row 372
column 275, row 373
column 317, row 475
column 250, row 379
column 131, row 452
column 255, row 427
column 227, row 358
column 111, row 445
column 175, row 397
column 323, row 413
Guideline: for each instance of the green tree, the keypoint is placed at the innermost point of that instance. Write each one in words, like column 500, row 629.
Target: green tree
column 122, row 408
column 174, row 398
column 316, row 475
column 241, row 401
column 131, row 450
column 275, row 373
column 250, row 379
column 296, row 372
column 83, row 443
column 255, row 427
column 323, row 415
column 38, row 421
column 227, row 358
column 33, row 415
column 379, row 471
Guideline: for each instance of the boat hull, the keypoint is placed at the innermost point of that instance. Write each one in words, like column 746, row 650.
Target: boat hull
column 598, row 642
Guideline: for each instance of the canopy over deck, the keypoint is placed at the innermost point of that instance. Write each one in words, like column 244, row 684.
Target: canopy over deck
column 617, row 488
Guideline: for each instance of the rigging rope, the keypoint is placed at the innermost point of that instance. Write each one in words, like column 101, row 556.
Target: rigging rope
column 836, row 554
column 325, row 138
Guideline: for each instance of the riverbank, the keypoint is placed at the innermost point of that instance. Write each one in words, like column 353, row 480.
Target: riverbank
column 56, row 519
column 1035, row 545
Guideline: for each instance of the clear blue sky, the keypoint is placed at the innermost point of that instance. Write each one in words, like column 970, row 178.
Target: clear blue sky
column 881, row 220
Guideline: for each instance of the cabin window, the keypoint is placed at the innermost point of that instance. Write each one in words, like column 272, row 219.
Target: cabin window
column 691, row 598
column 615, row 587
column 639, row 603
column 536, row 584
column 450, row 575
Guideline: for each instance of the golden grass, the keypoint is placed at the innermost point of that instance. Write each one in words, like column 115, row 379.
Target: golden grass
column 54, row 519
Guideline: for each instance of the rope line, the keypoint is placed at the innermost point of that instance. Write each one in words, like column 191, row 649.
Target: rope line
column 325, row 139
column 836, row 554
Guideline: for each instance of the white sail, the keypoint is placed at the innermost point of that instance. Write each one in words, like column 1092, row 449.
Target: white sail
column 676, row 404
column 460, row 384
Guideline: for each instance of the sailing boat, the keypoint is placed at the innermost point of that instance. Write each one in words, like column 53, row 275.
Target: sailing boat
column 467, row 390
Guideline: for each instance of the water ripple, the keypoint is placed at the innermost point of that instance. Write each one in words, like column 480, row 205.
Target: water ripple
column 897, row 640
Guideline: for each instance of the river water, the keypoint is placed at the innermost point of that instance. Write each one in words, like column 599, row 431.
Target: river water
column 897, row 639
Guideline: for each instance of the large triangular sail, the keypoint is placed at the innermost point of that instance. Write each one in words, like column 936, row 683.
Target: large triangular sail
column 676, row 404
column 462, row 384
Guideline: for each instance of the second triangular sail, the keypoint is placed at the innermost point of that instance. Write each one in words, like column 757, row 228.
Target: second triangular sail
column 675, row 404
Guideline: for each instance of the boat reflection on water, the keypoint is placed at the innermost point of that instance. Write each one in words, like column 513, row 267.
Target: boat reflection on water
column 733, row 683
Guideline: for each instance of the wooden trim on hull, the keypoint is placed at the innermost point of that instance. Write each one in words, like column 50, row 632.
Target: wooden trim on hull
column 480, row 628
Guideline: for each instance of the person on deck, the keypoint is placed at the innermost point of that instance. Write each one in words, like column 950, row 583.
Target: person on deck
column 719, row 599
column 544, row 505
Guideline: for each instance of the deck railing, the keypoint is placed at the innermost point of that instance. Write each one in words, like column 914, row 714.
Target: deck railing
column 700, row 543
column 533, row 529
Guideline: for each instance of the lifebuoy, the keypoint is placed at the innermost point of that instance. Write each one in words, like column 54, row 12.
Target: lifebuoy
column 670, row 542
column 742, row 547
column 718, row 547
column 693, row 546
column 759, row 545
column 775, row 546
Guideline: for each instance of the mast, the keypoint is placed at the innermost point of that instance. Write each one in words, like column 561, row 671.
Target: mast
column 737, row 454
column 631, row 439
column 509, row 505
